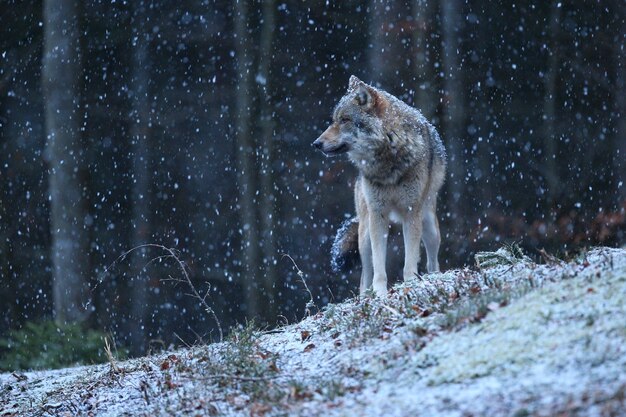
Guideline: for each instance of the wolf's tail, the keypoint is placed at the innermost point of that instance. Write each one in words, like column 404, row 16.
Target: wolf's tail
column 344, row 254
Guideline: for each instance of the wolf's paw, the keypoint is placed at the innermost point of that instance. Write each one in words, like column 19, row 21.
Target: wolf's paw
column 380, row 288
column 409, row 275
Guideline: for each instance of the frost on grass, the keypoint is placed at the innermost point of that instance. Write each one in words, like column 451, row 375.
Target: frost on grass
column 510, row 338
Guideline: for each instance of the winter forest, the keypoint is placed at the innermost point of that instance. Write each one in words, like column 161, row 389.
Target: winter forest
column 149, row 145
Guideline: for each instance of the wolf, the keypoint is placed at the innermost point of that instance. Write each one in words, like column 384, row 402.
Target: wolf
column 401, row 163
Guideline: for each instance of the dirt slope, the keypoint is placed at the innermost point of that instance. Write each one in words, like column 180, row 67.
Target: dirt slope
column 511, row 338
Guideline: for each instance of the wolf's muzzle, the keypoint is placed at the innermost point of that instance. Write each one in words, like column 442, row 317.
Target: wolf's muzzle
column 330, row 150
column 318, row 144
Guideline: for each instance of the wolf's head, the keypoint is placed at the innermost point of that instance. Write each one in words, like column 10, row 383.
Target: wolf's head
column 357, row 123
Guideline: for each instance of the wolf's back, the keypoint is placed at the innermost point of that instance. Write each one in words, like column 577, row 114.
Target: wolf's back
column 344, row 254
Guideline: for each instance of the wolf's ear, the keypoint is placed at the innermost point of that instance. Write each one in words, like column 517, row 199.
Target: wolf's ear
column 369, row 99
column 365, row 96
column 354, row 83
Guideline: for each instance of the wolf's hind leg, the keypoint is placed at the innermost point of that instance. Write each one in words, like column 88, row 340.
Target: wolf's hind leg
column 431, row 236
column 365, row 250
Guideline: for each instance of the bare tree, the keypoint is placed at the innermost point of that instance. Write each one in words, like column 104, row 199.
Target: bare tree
column 267, row 210
column 69, row 221
column 549, row 106
column 246, row 164
column 389, row 42
column 426, row 94
column 378, row 14
column 620, row 107
column 141, row 192
column 5, row 262
column 453, row 120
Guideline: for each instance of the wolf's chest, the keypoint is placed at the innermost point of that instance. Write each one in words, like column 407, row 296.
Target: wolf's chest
column 397, row 200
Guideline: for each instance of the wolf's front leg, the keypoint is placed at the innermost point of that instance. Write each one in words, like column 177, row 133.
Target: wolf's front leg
column 411, row 232
column 365, row 251
column 379, row 231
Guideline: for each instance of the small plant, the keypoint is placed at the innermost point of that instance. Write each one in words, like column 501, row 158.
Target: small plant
column 46, row 344
column 244, row 364
column 173, row 254
column 506, row 255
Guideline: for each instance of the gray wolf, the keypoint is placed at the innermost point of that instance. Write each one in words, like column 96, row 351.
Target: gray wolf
column 402, row 164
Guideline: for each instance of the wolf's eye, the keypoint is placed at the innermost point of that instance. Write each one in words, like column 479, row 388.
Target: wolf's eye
column 344, row 120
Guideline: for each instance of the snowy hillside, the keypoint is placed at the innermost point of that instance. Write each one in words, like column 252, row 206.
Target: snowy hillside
column 507, row 338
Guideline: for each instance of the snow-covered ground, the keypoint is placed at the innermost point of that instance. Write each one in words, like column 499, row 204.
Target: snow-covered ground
column 510, row 338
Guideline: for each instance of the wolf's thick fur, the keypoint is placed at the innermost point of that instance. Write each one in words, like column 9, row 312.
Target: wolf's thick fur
column 402, row 165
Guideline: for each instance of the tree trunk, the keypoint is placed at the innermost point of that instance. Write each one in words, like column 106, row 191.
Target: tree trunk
column 61, row 81
column 246, row 164
column 620, row 108
column 484, row 177
column 423, row 69
column 7, row 285
column 454, row 107
column 267, row 210
column 388, row 42
column 549, row 108
column 140, row 134
column 378, row 42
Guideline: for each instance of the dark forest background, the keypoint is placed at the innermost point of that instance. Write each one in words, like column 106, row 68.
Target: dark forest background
column 188, row 124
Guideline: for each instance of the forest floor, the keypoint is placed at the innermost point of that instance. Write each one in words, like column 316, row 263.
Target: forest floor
column 507, row 338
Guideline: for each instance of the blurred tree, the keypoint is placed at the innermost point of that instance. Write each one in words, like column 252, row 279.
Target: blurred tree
column 424, row 12
column 379, row 15
column 454, row 111
column 267, row 210
column 550, row 139
column 6, row 288
column 61, row 80
column 245, row 152
column 390, row 35
column 141, row 64
column 619, row 159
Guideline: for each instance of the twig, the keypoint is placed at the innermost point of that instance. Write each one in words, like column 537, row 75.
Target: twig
column 392, row 310
column 181, row 339
column 310, row 303
column 109, row 353
column 143, row 387
column 173, row 254
column 549, row 259
column 19, row 377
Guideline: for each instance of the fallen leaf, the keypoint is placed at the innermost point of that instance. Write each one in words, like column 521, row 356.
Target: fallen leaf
column 19, row 377
column 308, row 347
column 263, row 355
column 305, row 335
column 259, row 409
